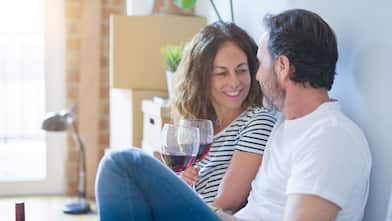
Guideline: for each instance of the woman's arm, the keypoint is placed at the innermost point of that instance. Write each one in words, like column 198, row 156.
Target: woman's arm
column 236, row 184
column 246, row 160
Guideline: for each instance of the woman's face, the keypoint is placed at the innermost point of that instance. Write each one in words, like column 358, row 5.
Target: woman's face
column 230, row 80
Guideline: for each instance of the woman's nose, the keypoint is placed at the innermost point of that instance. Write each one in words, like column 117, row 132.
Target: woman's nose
column 234, row 80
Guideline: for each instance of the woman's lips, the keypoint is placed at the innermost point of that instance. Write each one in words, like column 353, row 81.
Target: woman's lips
column 233, row 94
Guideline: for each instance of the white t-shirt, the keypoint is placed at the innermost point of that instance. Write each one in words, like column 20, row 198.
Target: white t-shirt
column 323, row 153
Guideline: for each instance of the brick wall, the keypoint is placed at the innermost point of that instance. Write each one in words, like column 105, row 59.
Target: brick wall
column 87, row 71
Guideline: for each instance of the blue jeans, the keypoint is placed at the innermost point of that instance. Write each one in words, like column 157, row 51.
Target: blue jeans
column 132, row 185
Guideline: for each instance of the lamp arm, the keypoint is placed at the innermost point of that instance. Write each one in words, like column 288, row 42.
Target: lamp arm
column 81, row 163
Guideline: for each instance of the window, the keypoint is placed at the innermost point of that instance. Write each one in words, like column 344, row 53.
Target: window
column 31, row 47
column 22, row 83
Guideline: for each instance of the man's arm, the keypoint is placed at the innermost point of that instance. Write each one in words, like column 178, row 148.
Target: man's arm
column 301, row 207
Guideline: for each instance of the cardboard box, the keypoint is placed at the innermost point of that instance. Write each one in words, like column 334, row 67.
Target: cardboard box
column 135, row 44
column 137, row 69
column 126, row 117
column 155, row 115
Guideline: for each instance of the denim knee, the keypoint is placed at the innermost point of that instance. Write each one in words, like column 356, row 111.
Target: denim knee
column 123, row 159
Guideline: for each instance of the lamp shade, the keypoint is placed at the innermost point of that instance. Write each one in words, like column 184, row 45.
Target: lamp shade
column 57, row 121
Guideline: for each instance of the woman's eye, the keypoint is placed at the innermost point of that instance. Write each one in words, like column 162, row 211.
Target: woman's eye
column 242, row 71
column 220, row 73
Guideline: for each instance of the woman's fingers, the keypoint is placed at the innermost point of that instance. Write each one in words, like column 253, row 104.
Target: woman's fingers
column 190, row 175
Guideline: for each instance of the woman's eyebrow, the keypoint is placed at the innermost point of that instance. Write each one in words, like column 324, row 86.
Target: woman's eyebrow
column 219, row 67
column 224, row 67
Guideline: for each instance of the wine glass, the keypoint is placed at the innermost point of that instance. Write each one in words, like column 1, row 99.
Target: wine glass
column 179, row 145
column 206, row 134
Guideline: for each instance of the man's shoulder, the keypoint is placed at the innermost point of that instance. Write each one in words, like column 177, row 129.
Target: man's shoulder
column 336, row 138
column 336, row 125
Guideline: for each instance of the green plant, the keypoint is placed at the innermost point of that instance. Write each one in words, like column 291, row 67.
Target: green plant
column 185, row 3
column 172, row 56
column 191, row 3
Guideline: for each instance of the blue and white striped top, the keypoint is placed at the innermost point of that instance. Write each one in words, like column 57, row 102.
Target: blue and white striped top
column 248, row 132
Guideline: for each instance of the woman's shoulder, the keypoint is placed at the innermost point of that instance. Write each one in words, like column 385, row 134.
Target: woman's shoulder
column 255, row 118
column 252, row 117
column 260, row 113
column 254, row 134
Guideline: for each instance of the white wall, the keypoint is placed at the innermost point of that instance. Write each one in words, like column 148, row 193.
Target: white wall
column 363, row 82
column 139, row 7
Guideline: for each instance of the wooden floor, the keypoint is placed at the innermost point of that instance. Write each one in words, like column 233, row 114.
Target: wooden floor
column 41, row 208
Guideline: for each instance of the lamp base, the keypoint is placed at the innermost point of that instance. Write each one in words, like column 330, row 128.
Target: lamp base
column 79, row 206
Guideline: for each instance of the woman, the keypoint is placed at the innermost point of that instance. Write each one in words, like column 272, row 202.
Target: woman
column 222, row 57
column 216, row 81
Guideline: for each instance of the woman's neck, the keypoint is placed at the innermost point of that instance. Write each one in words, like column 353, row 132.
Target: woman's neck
column 224, row 118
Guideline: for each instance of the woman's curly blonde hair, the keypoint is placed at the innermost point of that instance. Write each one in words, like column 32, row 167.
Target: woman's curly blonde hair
column 192, row 96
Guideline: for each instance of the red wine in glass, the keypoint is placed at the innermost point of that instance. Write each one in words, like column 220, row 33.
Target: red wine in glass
column 178, row 162
column 206, row 135
column 203, row 151
column 179, row 146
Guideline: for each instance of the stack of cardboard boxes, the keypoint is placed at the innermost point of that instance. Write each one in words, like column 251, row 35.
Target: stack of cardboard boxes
column 137, row 70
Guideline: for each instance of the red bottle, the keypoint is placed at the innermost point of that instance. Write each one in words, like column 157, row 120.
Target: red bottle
column 19, row 211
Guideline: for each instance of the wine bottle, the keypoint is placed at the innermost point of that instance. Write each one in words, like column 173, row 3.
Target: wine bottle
column 19, row 211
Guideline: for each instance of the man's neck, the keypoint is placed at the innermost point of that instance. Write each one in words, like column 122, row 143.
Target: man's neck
column 302, row 101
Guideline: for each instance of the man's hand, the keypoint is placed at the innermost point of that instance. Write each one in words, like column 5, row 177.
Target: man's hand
column 301, row 207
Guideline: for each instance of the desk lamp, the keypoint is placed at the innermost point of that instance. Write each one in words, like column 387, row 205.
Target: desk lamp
column 61, row 121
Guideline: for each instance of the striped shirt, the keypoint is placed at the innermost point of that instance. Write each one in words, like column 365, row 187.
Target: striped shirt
column 248, row 132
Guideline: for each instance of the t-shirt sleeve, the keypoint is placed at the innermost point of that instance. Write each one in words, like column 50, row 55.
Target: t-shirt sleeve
column 254, row 136
column 328, row 166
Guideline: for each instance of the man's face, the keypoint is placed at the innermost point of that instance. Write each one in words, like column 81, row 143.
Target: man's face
column 273, row 92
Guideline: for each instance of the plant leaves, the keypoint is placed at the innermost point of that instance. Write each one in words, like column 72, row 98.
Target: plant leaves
column 172, row 55
column 185, row 3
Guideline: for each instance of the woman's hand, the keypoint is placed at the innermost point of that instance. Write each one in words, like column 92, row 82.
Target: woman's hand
column 190, row 175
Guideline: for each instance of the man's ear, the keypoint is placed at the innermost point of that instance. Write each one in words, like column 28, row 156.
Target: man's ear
column 283, row 68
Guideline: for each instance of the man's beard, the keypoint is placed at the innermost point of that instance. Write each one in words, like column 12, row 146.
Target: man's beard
column 267, row 103
column 273, row 94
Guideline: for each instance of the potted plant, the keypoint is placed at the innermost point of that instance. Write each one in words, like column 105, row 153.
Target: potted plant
column 172, row 55
column 187, row 4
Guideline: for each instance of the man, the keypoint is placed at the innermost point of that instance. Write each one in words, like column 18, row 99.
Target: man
column 316, row 165
column 317, row 162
